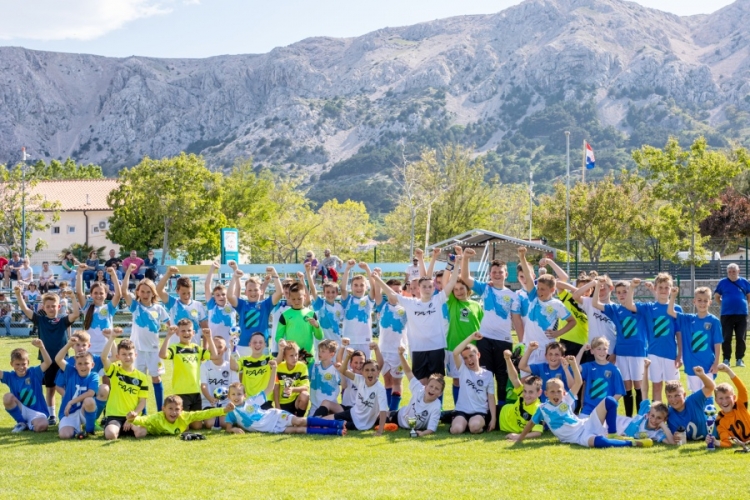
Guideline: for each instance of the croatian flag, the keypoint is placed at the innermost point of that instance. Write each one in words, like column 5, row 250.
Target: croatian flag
column 590, row 160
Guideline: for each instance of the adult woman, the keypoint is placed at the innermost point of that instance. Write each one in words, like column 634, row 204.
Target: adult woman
column 732, row 294
column 69, row 265
column 92, row 264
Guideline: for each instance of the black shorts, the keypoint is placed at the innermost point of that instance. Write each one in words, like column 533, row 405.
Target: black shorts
column 486, row 416
column 425, row 363
column 267, row 405
column 191, row 402
column 119, row 422
column 346, row 416
column 49, row 375
column 14, row 275
column 291, row 407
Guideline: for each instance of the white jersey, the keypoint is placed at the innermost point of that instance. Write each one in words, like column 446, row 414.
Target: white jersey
column 215, row 376
column 100, row 321
column 475, row 390
column 221, row 319
column 427, row 414
column 370, row 402
column 330, row 317
column 147, row 322
column 276, row 313
column 324, row 385
column 357, row 319
column 426, row 326
column 499, row 304
column 349, row 393
column 564, row 424
column 252, row 418
column 542, row 316
column 193, row 311
column 599, row 324
column 392, row 322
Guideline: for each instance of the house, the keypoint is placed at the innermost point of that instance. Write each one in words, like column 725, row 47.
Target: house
column 84, row 215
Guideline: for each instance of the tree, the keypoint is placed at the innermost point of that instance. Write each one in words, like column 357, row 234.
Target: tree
column 69, row 169
column 729, row 222
column 82, row 251
column 343, row 226
column 690, row 181
column 173, row 201
column 40, row 213
column 510, row 206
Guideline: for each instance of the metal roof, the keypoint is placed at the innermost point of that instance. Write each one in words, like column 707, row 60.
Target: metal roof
column 482, row 236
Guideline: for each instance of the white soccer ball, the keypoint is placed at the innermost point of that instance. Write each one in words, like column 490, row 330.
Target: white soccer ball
column 221, row 393
column 710, row 411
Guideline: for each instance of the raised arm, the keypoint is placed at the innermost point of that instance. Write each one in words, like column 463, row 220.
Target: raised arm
column 378, row 355
column 579, row 293
column 512, row 373
column 46, row 360
column 344, row 368
column 566, row 362
column 405, row 364
column 311, row 281
column 419, row 255
column 345, row 279
column 433, row 260
column 529, row 285
column 116, row 289
column 595, row 297
column 368, row 273
column 80, row 296
column 208, row 285
column 577, row 380
column 460, row 348
column 465, row 271
column 672, row 298
column 579, row 356
column 278, row 288
column 165, row 344
column 126, row 284
column 22, row 303
column 234, row 285
column 448, row 287
column 708, row 382
column 628, row 302
column 161, row 287
column 209, row 342
column 559, row 273
column 384, row 288
column 75, row 308
column 111, row 335
column 62, row 353
column 523, row 364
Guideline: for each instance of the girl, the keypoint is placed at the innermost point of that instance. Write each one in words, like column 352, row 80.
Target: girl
column 98, row 315
column 108, row 286
column 148, row 318
column 46, row 278
column 68, row 264
column 221, row 315
column 32, row 295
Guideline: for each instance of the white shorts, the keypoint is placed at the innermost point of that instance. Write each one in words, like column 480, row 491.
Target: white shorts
column 450, row 365
column 365, row 348
column 392, row 365
column 591, row 428
column 244, row 351
column 695, row 384
column 284, row 421
column 150, row 363
column 30, row 415
column 631, row 367
column 662, row 369
column 74, row 420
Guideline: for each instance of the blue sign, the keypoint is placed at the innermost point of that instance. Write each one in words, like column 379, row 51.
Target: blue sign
column 230, row 245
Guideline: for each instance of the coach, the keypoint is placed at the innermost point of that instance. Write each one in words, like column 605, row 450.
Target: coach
column 732, row 294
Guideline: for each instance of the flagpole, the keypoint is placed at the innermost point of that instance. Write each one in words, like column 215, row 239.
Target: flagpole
column 583, row 165
column 567, row 202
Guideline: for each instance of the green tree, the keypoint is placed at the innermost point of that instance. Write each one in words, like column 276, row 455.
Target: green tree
column 343, row 226
column 68, row 169
column 175, row 202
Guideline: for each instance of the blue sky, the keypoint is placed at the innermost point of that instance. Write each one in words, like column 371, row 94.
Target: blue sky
column 202, row 28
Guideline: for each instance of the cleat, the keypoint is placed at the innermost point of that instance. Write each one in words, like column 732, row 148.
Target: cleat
column 740, row 364
column 52, row 420
column 726, row 362
column 643, row 443
column 391, row 427
column 82, row 435
column 20, row 427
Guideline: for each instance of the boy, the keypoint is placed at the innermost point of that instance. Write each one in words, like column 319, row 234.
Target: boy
column 701, row 336
column 172, row 420
column 544, row 311
column 215, row 374
column 733, row 419
column 688, row 412
column 600, row 325
column 187, row 358
column 221, row 315
column 392, row 323
column 328, row 310
column 298, row 324
column 53, row 332
column 254, row 368
column 514, row 417
column 475, row 408
column 664, row 340
column 129, row 388
column 81, row 385
column 292, row 392
column 324, row 377
column 554, row 353
column 25, row 399
column 182, row 305
column 358, row 308
column 601, row 378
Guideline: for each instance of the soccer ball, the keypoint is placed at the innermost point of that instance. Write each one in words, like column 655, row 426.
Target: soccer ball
column 234, row 331
column 710, row 411
column 221, row 393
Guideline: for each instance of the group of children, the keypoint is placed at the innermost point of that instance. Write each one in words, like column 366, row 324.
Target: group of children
column 297, row 362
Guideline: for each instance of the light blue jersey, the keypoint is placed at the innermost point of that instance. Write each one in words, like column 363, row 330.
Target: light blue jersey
column 330, row 317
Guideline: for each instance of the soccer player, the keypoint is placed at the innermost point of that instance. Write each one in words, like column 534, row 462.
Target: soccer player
column 599, row 324
column 98, row 314
column 325, row 379
column 733, row 419
column 476, row 408
column 701, row 336
column 292, row 391
column 25, row 399
column 392, row 323
column 182, row 305
column 356, row 362
column 329, row 312
column 601, row 378
column 81, row 385
column 221, row 315
column 214, row 374
column 554, row 367
column 514, row 417
column 687, row 413
column 129, row 387
column 254, row 368
column 358, row 308
column 172, row 420
column 299, row 324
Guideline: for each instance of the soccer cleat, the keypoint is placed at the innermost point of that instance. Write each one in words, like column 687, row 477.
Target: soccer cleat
column 82, row 435
column 391, row 427
column 740, row 363
column 20, row 427
column 643, row 443
column 52, row 420
column 726, row 362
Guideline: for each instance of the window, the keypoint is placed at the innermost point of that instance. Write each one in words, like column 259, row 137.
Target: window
column 55, row 229
column 71, row 229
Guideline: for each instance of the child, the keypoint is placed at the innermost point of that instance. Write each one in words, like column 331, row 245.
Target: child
column 129, row 387
column 215, row 374
column 254, row 368
column 357, row 307
column 172, row 420
column 370, row 406
column 53, row 332
column 392, row 323
column 330, row 313
column 32, row 294
column 514, row 417
column 733, row 419
column 544, row 311
column 25, row 274
column 475, row 408
column 250, row 415
column 148, row 318
column 81, row 385
column 46, row 278
column 601, row 378
column 25, row 399
column 98, row 315
column 292, row 392
column 298, row 324
column 687, row 413
column 701, row 336
column 221, row 315
column 554, row 353
column 632, row 337
column 600, row 325
column 664, row 341
column 182, row 305
column 187, row 358
column 80, row 341
column 324, row 377
column 578, row 336
column 349, row 390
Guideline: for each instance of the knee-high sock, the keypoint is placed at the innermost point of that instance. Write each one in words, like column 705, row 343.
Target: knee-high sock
column 456, row 390
column 638, row 400
column 322, row 411
column 610, row 404
column 90, row 417
column 159, row 395
column 628, row 400
column 323, row 430
column 602, row 442
column 100, row 406
column 388, row 395
column 322, row 422
column 395, row 401
column 17, row 415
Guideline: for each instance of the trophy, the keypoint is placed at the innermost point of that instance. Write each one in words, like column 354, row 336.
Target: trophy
column 744, row 445
column 234, row 336
column 288, row 387
column 710, row 412
column 412, row 421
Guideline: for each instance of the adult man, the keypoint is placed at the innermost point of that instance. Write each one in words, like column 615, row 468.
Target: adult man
column 732, row 294
column 412, row 271
column 329, row 265
column 114, row 262
column 11, row 269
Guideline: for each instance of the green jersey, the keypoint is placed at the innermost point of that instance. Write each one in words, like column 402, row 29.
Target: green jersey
column 464, row 317
column 295, row 327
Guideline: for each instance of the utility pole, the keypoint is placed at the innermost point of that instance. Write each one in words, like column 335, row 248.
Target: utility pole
column 531, row 200
column 567, row 201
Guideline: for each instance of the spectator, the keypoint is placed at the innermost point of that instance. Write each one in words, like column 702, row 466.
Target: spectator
column 732, row 294
column 69, row 265
column 6, row 312
column 328, row 268
column 412, row 271
column 102, row 277
column 310, row 257
column 12, row 268
column 92, row 264
column 3, row 263
column 46, row 278
column 114, row 262
column 25, row 274
column 134, row 259
column 151, row 264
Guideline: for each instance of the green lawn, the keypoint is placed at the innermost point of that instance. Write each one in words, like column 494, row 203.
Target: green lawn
column 358, row 465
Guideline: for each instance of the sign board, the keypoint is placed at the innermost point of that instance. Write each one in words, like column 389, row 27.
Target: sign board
column 230, row 245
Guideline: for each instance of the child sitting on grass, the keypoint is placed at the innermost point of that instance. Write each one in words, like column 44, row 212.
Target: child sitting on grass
column 733, row 419
column 515, row 416
column 25, row 400
column 601, row 377
column 554, row 353
column 475, row 407
column 172, row 420
column 81, row 385
column 292, row 393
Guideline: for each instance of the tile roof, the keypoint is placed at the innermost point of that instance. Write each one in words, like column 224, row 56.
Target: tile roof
column 77, row 195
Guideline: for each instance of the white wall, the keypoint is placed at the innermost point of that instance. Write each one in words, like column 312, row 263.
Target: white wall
column 65, row 238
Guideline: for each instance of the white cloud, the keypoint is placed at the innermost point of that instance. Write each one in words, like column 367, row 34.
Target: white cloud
column 74, row 19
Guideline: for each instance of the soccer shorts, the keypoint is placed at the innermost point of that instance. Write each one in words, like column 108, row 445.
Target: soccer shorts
column 695, row 384
column 191, row 402
column 119, row 422
column 50, row 374
column 450, row 365
column 392, row 365
column 662, row 369
column 631, row 367
column 284, row 421
column 592, row 427
column 150, row 363
column 30, row 415
column 74, row 420
column 425, row 363
column 468, row 416
column 346, row 416
column 365, row 348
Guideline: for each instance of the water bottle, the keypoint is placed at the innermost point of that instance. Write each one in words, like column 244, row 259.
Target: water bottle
column 679, row 436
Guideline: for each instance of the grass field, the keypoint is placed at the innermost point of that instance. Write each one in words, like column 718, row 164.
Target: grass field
column 358, row 465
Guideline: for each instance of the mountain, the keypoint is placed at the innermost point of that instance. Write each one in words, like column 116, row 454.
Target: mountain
column 336, row 111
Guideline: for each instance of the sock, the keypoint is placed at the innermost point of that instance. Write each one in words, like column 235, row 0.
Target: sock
column 17, row 415
column 456, row 389
column 321, row 412
column 100, row 406
column 143, row 412
column 602, row 442
column 321, row 422
column 90, row 417
column 638, row 400
column 159, row 395
column 51, row 410
column 388, row 395
column 628, row 400
column 610, row 404
column 395, row 401
column 320, row 430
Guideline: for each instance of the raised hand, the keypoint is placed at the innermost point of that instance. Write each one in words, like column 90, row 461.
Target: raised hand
column 37, row 343
column 533, row 346
column 469, row 253
column 272, row 364
column 522, row 251
column 345, row 341
column 206, row 332
column 635, row 282
column 215, row 265
column 477, row 336
column 401, row 349
column 418, row 253
column 507, row 354
column 232, row 264
column 436, row 252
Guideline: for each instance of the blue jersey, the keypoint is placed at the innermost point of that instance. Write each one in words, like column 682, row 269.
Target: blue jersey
column 544, row 372
column 733, row 296
column 60, row 377
column 28, row 389
column 691, row 418
column 699, row 338
column 329, row 317
column 102, row 318
column 193, row 310
column 601, row 381
column 253, row 317
column 75, row 385
column 53, row 332
column 632, row 334
column 661, row 327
